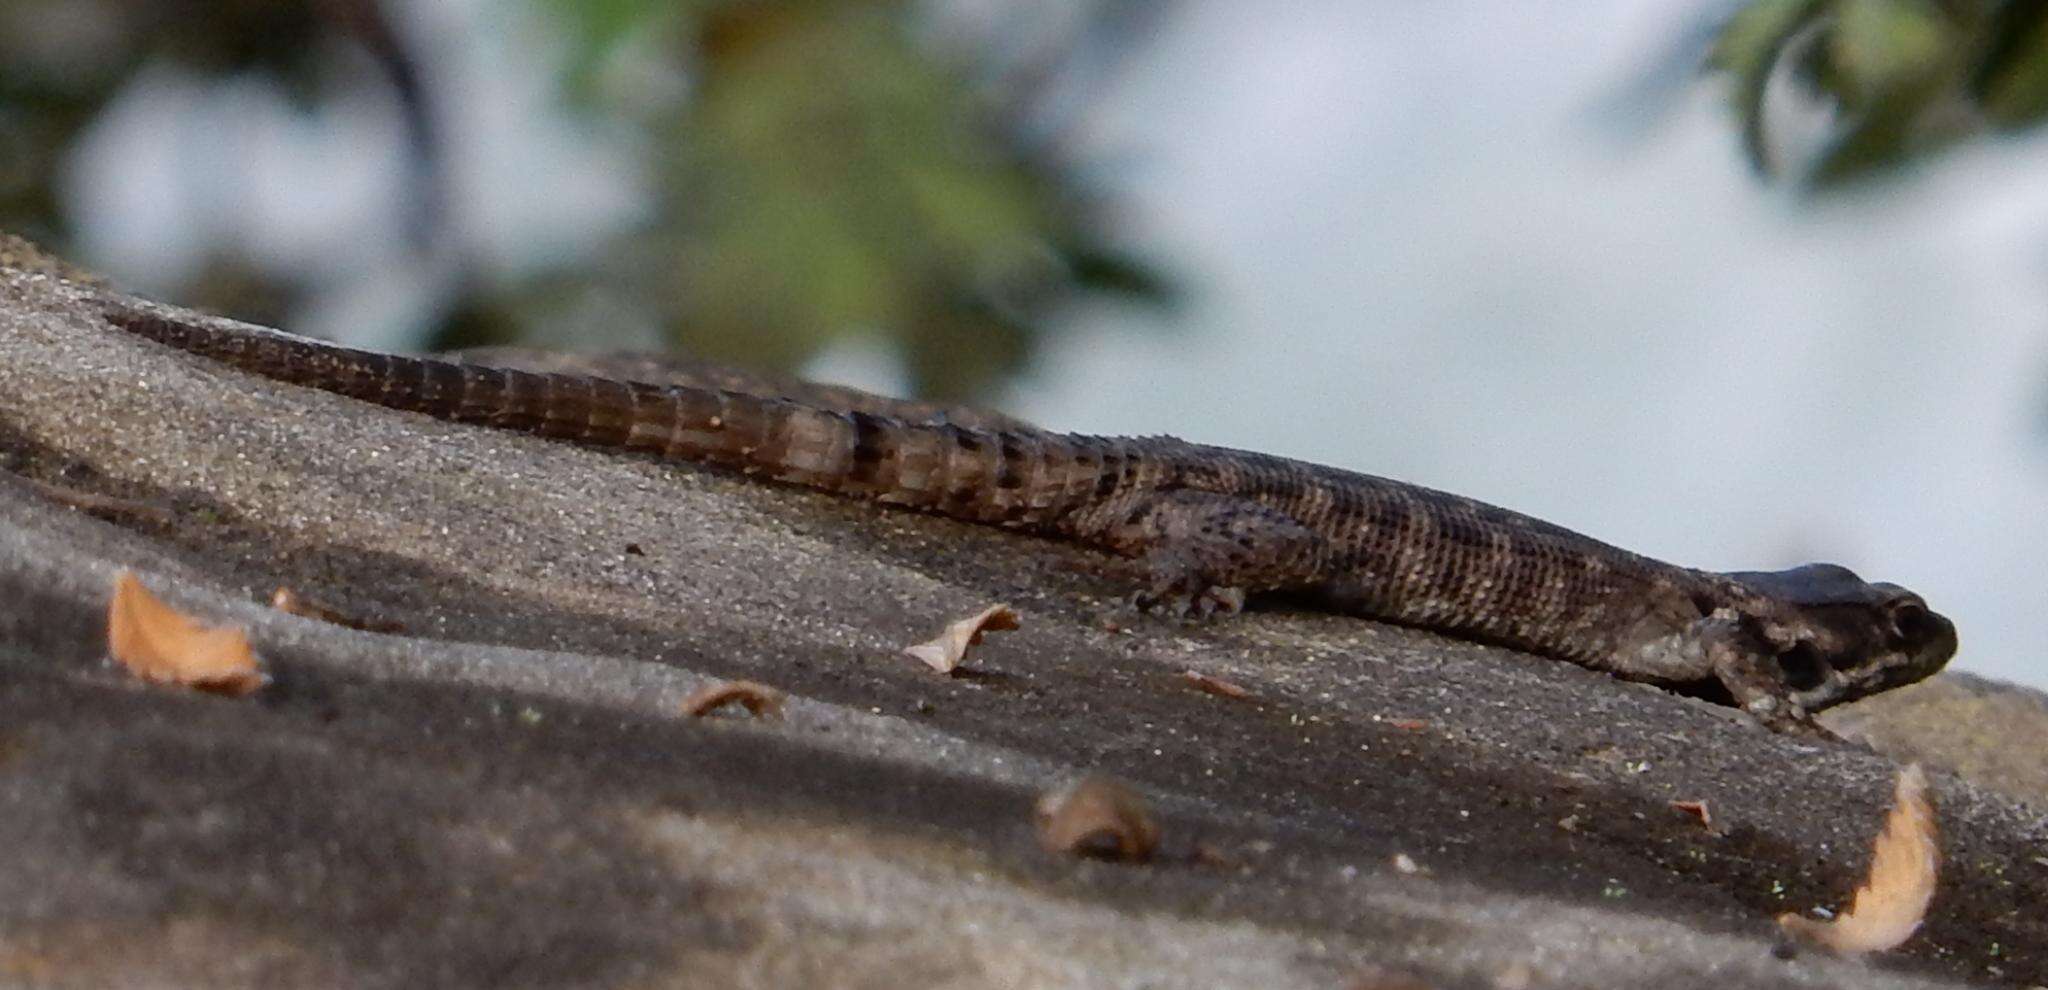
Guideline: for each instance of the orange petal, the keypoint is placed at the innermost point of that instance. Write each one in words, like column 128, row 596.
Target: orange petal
column 1904, row 864
column 158, row 643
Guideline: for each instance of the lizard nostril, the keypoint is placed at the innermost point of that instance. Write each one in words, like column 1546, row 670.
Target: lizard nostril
column 1803, row 667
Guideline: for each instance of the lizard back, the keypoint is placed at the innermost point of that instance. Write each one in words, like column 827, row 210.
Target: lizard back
column 1381, row 548
column 1429, row 558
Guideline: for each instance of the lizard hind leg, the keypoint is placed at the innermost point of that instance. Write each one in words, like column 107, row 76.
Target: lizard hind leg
column 1205, row 552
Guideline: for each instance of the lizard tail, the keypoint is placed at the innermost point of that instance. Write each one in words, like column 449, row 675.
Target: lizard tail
column 1021, row 478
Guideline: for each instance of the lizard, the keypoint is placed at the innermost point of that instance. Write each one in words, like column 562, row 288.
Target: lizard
column 1210, row 525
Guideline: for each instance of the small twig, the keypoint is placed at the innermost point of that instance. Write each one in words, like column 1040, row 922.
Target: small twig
column 93, row 503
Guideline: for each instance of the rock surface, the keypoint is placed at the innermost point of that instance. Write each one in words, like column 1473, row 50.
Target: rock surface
column 504, row 792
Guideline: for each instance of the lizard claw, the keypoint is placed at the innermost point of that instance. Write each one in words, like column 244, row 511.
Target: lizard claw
column 1219, row 601
column 1783, row 716
column 1181, row 602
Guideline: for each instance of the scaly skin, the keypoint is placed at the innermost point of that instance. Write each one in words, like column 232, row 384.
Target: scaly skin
column 1212, row 524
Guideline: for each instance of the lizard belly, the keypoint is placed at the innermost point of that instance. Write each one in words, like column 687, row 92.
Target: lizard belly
column 1625, row 633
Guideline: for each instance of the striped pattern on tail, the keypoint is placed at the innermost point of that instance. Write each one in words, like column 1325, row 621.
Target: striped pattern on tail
column 1021, row 478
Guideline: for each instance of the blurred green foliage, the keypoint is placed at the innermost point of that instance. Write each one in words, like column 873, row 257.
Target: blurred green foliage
column 826, row 175
column 819, row 170
column 1901, row 78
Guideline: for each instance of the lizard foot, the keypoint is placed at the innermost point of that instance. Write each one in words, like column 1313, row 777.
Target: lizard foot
column 1748, row 667
column 1206, row 552
column 1782, row 716
column 1182, row 602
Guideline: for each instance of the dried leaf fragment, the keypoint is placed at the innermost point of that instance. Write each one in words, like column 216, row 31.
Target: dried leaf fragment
column 158, row 643
column 760, row 700
column 1215, row 685
column 945, row 653
column 1904, row 863
column 1697, row 809
column 1097, row 817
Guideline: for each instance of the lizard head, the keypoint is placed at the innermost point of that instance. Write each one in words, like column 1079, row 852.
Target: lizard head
column 1839, row 638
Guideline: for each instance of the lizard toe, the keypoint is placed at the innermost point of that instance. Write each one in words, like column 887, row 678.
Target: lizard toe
column 1219, row 601
column 1179, row 600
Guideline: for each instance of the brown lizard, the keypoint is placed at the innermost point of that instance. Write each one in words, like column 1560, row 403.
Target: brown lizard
column 1211, row 524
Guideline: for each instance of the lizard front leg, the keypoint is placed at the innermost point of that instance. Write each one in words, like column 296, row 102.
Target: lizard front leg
column 1204, row 552
column 1748, row 666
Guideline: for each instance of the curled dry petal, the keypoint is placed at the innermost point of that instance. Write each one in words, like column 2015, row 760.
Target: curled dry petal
column 760, row 700
column 158, row 643
column 945, row 653
column 1098, row 817
column 1893, row 900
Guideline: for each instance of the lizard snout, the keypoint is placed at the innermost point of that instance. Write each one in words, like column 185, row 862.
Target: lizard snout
column 1907, row 642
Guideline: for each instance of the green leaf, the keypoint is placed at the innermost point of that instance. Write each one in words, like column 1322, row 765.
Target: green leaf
column 2011, row 83
column 1888, row 131
column 597, row 28
column 1813, row 67
column 1880, row 46
column 1106, row 270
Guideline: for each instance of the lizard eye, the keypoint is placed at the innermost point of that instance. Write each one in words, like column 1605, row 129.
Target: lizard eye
column 1803, row 667
column 1911, row 620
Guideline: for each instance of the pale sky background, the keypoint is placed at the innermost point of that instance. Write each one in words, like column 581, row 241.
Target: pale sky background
column 1421, row 242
